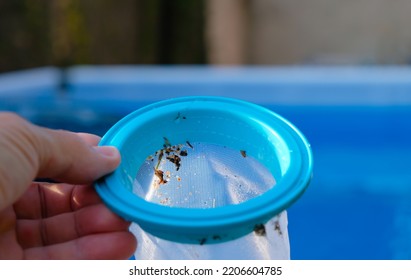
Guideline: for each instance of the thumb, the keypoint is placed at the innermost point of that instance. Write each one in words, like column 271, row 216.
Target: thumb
column 29, row 151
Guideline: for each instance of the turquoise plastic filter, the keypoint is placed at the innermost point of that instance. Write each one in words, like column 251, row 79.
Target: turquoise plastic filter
column 248, row 128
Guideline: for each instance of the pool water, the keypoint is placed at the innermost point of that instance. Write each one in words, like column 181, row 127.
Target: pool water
column 358, row 204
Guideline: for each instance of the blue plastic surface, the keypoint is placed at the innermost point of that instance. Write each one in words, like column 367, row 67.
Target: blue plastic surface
column 228, row 122
column 358, row 121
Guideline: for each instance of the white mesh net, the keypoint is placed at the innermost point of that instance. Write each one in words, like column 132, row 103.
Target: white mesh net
column 203, row 175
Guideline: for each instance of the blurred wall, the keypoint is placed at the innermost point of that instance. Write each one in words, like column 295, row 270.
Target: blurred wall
column 68, row 32
column 227, row 31
column 330, row 31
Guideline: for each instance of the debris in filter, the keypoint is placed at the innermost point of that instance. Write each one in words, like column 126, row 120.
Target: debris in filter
column 175, row 171
column 202, row 241
column 165, row 201
column 259, row 230
column 189, row 144
column 173, row 153
column 166, row 142
column 277, row 227
column 160, row 175
column 243, row 153
column 180, row 117
column 176, row 160
column 160, row 157
column 216, row 237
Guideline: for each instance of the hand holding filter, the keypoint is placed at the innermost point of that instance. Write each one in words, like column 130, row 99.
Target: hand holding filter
column 190, row 134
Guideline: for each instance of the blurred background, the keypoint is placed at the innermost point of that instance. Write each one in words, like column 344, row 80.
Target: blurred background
column 268, row 32
column 339, row 70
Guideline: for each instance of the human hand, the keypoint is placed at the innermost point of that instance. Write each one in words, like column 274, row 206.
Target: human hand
column 56, row 221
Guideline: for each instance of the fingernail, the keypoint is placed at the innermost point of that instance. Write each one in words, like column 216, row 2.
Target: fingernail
column 108, row 151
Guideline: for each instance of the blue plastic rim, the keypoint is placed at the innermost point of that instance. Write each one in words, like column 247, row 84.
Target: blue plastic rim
column 237, row 124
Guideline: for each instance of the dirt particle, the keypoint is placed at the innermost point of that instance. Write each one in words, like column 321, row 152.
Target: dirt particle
column 160, row 175
column 179, row 117
column 259, row 230
column 277, row 228
column 189, row 144
column 176, row 160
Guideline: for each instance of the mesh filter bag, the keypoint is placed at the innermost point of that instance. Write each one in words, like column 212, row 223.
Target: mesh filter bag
column 201, row 175
column 207, row 178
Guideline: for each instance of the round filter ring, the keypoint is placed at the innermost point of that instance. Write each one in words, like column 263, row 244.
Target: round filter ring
column 237, row 124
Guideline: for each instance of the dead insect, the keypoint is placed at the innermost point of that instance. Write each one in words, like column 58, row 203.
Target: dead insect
column 189, row 144
column 243, row 153
column 259, row 230
column 278, row 228
column 203, row 241
column 183, row 153
column 160, row 175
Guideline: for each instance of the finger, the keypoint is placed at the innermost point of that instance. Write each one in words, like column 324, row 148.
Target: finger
column 90, row 139
column 43, row 200
column 66, row 156
column 111, row 246
column 9, row 247
column 68, row 226
column 29, row 151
